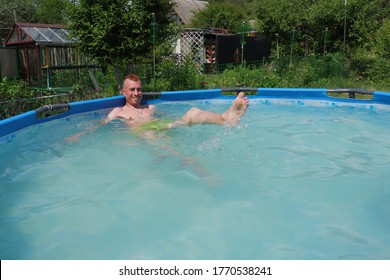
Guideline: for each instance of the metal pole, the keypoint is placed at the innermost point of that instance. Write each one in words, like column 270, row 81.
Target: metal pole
column 242, row 41
column 326, row 34
column 345, row 23
column 154, row 38
column 291, row 46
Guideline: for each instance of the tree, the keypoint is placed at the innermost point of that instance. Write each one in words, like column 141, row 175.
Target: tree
column 287, row 18
column 311, row 18
column 17, row 10
column 383, row 39
column 219, row 15
column 364, row 18
column 115, row 32
column 52, row 11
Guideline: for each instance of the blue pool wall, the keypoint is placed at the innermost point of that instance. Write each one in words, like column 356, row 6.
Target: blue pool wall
column 10, row 125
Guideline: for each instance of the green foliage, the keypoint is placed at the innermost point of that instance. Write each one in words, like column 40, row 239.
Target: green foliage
column 369, row 67
column 245, row 76
column 13, row 94
column 321, row 15
column 364, row 18
column 219, row 15
column 179, row 77
column 383, row 40
column 330, row 71
column 23, row 10
column 52, row 11
column 34, row 11
column 13, row 89
column 308, row 18
column 311, row 18
column 117, row 30
column 16, row 97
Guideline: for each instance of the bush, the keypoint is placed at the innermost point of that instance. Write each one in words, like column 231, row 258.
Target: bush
column 182, row 76
column 383, row 39
column 14, row 98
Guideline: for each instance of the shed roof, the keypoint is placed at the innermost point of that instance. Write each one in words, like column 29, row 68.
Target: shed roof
column 185, row 8
column 41, row 34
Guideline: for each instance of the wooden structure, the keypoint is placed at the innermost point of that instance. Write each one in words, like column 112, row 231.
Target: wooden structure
column 45, row 50
column 183, row 10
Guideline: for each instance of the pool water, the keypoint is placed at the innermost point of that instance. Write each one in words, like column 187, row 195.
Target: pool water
column 292, row 181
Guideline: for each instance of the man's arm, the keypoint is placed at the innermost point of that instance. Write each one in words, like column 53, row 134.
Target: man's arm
column 111, row 116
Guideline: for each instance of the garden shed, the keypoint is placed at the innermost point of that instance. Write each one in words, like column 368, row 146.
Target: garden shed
column 183, row 10
column 213, row 49
column 45, row 54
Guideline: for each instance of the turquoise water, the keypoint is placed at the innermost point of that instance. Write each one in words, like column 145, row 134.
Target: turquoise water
column 292, row 181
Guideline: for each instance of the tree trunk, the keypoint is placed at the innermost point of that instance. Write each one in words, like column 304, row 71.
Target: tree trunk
column 306, row 48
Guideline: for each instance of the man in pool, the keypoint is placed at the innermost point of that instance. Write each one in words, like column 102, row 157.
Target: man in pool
column 138, row 115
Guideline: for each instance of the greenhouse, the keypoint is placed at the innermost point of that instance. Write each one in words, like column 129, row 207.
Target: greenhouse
column 46, row 55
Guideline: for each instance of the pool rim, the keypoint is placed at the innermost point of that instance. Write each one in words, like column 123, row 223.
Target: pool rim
column 18, row 122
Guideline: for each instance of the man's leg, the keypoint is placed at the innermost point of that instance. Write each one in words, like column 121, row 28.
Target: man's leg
column 198, row 116
column 231, row 117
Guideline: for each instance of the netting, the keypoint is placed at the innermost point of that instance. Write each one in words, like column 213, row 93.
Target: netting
column 191, row 44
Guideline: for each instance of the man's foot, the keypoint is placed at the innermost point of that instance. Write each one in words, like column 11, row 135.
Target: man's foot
column 233, row 115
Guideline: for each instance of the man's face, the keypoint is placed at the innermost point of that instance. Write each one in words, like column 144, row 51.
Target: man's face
column 133, row 92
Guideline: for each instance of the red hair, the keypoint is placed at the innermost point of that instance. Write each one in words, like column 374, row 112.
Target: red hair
column 132, row 77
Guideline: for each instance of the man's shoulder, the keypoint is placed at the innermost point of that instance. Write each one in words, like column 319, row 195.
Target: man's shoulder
column 117, row 109
column 114, row 112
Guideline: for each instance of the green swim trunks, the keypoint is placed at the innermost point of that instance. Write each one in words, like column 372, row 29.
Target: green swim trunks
column 156, row 124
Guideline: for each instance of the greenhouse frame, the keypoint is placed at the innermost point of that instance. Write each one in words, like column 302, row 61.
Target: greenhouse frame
column 44, row 51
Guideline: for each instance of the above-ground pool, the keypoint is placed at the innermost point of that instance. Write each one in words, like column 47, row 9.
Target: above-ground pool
column 303, row 176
